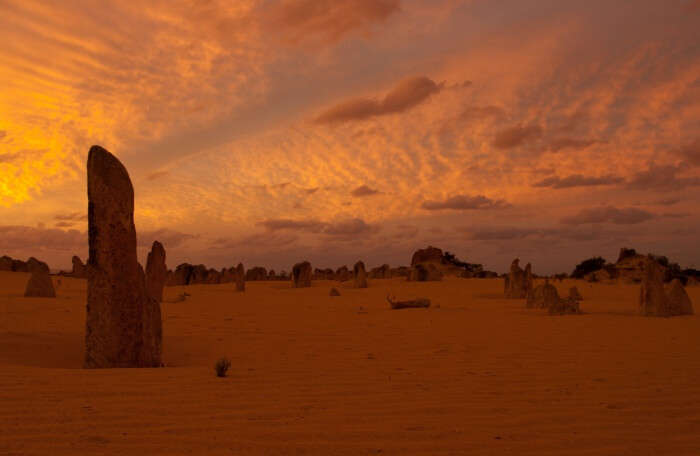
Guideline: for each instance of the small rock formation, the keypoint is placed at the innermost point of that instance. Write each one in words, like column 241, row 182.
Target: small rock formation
column 123, row 324
column 5, row 263
column 412, row 304
column 518, row 283
column 301, row 275
column 240, row 277
column 33, row 264
column 653, row 298
column 79, row 269
column 156, row 271
column 380, row 272
column 40, row 285
column 342, row 274
column 334, row 292
column 542, row 296
column 256, row 273
column 360, row 275
column 574, row 293
column 401, row 271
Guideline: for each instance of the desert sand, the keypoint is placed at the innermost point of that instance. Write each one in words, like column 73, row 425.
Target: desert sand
column 312, row 374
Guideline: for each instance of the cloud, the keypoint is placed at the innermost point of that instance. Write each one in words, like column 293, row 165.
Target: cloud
column 559, row 144
column 349, row 228
column 72, row 217
column 511, row 137
column 327, row 20
column 501, row 234
column 11, row 157
column 169, row 238
column 474, row 113
column 578, row 180
column 465, row 202
column 157, row 175
column 364, row 190
column 661, row 177
column 311, row 191
column 3, row 133
column 313, row 226
column 35, row 239
column 609, row 214
column 667, row 202
column 407, row 94
column 691, row 152
column 64, row 224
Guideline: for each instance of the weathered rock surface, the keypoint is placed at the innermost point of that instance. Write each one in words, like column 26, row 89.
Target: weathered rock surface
column 679, row 302
column 40, row 284
column 156, row 271
column 123, row 325
column 518, row 283
column 240, row 277
column 301, row 275
column 380, row 272
column 342, row 274
column 424, row 272
column 428, row 255
column 655, row 301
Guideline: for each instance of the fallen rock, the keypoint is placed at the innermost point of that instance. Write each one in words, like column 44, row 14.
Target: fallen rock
column 123, row 324
column 334, row 292
column 414, row 303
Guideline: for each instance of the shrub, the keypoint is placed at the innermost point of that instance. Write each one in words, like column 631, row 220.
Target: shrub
column 222, row 366
column 588, row 266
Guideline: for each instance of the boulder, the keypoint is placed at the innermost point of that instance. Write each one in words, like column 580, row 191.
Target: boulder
column 123, row 324
column 40, row 284
column 518, row 282
column 360, row 275
column 334, row 292
column 156, row 271
column 301, row 275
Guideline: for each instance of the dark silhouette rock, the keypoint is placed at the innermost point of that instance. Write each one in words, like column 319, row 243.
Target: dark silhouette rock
column 5, row 263
column 256, row 273
column 123, row 324
column 33, row 264
column 410, row 304
column 40, row 284
column 542, row 296
column 652, row 297
column 79, row 269
column 360, row 275
column 334, row 292
column 301, row 275
column 156, row 271
column 518, row 283
column 575, row 294
column 380, row 272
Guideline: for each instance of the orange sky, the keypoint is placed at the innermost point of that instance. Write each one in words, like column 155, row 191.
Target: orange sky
column 271, row 131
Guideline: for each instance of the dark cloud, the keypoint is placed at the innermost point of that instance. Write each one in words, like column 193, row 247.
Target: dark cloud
column 472, row 113
column 3, row 133
column 341, row 229
column 327, row 20
column 157, row 175
column 31, row 239
column 511, row 137
column 691, row 153
column 501, row 233
column 7, row 158
column 258, row 240
column 578, row 180
column 313, row 226
column 609, row 214
column 661, row 177
column 364, row 190
column 465, row 202
column 169, row 238
column 407, row 94
column 311, row 191
column 667, row 202
column 559, row 144
column 72, row 217
column 64, row 225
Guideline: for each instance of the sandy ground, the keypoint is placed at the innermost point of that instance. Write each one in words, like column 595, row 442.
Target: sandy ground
column 313, row 374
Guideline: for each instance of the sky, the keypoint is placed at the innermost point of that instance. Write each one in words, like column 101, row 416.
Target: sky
column 275, row 131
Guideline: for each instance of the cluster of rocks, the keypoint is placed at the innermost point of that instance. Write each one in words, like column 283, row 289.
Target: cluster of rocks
column 123, row 321
column 546, row 296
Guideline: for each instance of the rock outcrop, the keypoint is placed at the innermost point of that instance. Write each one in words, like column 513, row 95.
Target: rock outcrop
column 342, row 274
column 542, row 296
column 301, row 275
column 40, row 284
column 428, row 255
column 380, row 272
column 79, row 269
column 156, row 271
column 256, row 273
column 123, row 324
column 424, row 272
column 360, row 275
column 655, row 301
